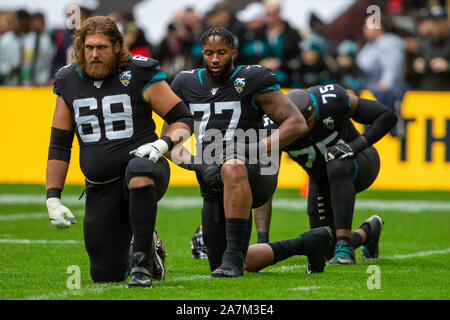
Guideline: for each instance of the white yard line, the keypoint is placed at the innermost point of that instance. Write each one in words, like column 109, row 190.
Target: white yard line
column 31, row 241
column 416, row 254
column 409, row 206
column 304, row 288
column 31, row 215
column 102, row 288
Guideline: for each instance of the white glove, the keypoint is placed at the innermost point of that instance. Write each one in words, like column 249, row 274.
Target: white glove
column 60, row 215
column 154, row 150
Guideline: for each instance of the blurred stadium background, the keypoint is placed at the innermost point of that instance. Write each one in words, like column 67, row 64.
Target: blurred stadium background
column 331, row 46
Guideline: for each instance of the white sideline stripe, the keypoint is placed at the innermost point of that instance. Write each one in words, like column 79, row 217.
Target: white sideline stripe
column 417, row 254
column 280, row 203
column 28, row 241
column 395, row 257
column 304, row 288
column 103, row 288
column 31, row 215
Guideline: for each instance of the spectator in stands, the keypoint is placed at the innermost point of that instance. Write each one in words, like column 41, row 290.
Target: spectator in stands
column 313, row 68
column 134, row 36
column 424, row 23
column 318, row 27
column 134, row 41
column 28, row 41
column 382, row 60
column 283, row 44
column 43, row 51
column 9, row 50
column 62, row 40
column 193, row 21
column 195, row 25
column 174, row 51
column 433, row 54
column 348, row 74
column 254, row 47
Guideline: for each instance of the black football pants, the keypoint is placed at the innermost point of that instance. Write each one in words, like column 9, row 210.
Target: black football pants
column 331, row 202
column 107, row 230
column 213, row 214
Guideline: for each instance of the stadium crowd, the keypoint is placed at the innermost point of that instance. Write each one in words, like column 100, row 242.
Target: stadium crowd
column 409, row 50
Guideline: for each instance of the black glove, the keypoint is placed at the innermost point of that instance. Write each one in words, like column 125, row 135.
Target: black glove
column 343, row 150
column 210, row 174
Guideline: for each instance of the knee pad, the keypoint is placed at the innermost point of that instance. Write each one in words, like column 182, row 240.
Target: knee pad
column 139, row 167
column 340, row 169
column 212, row 177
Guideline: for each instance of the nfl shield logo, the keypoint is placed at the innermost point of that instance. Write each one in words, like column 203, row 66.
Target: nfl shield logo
column 239, row 84
column 125, row 78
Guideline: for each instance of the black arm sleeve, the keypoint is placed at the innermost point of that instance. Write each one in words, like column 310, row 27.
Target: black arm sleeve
column 180, row 113
column 60, row 145
column 380, row 118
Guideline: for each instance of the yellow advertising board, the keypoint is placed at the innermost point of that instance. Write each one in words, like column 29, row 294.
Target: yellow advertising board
column 418, row 161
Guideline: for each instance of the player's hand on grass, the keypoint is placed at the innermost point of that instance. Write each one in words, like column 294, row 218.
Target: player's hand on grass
column 60, row 216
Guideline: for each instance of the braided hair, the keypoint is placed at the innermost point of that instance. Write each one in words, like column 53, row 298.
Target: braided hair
column 223, row 33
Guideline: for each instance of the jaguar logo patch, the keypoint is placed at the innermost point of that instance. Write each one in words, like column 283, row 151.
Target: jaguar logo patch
column 239, row 84
column 328, row 123
column 125, row 78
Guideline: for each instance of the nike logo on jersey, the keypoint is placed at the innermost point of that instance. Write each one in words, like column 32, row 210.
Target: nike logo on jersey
column 98, row 84
column 214, row 91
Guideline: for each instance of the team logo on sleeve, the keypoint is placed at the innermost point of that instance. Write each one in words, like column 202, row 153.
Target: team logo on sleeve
column 328, row 123
column 239, row 84
column 125, row 78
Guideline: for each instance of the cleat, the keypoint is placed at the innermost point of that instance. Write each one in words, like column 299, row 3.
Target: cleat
column 159, row 257
column 319, row 242
column 343, row 253
column 141, row 271
column 198, row 245
column 370, row 249
column 225, row 272
column 231, row 267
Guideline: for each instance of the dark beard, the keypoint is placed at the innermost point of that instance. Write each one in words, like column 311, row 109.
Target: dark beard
column 104, row 71
column 219, row 79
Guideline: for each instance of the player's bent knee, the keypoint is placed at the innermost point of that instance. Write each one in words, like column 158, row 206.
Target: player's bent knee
column 139, row 182
column 258, row 257
column 139, row 167
column 339, row 169
column 234, row 171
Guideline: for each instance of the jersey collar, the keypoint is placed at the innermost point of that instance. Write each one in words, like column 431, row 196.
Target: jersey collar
column 202, row 76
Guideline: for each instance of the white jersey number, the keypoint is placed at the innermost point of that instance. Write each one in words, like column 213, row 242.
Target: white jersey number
column 219, row 107
column 311, row 152
column 110, row 117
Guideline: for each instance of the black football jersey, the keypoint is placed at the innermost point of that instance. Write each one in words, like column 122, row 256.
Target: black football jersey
column 227, row 107
column 110, row 116
column 332, row 124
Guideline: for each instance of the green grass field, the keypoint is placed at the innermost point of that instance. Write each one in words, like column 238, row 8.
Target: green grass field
column 414, row 252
